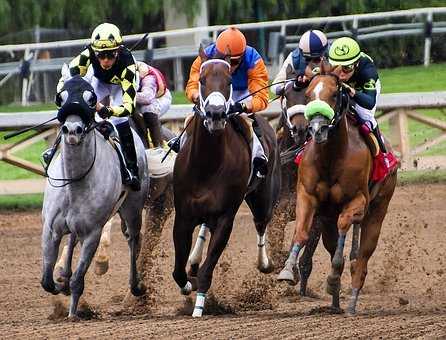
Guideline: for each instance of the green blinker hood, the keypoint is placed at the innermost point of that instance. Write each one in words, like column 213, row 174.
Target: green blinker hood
column 318, row 107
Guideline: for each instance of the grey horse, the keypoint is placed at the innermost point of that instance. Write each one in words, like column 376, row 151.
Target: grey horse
column 84, row 189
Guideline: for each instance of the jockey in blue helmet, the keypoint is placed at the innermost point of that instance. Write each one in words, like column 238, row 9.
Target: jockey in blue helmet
column 311, row 51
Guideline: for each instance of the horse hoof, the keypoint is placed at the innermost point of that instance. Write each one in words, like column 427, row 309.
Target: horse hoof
column 139, row 290
column 288, row 276
column 351, row 312
column 187, row 289
column 333, row 284
column 269, row 268
column 73, row 318
column 198, row 313
column 101, row 267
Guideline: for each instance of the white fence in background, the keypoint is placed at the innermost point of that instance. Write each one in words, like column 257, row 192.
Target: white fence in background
column 420, row 22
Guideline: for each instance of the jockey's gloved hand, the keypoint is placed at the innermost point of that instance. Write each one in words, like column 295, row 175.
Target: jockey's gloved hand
column 280, row 90
column 237, row 107
column 300, row 83
column 105, row 112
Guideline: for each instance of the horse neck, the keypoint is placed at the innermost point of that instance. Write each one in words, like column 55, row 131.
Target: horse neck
column 77, row 159
column 207, row 150
column 337, row 144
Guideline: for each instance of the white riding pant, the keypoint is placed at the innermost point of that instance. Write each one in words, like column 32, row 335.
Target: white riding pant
column 159, row 106
column 369, row 114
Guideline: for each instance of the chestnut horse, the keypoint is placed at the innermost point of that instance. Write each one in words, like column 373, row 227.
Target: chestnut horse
column 333, row 182
column 211, row 176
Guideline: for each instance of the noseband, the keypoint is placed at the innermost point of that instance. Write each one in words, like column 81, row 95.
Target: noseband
column 215, row 96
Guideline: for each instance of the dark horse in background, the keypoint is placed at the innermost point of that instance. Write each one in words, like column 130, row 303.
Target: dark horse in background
column 292, row 133
column 334, row 184
column 211, row 176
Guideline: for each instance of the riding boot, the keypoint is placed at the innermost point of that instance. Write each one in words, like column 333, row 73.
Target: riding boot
column 260, row 164
column 153, row 124
column 48, row 154
column 380, row 139
column 131, row 177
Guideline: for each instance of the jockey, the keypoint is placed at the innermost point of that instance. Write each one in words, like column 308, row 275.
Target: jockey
column 311, row 51
column 360, row 78
column 153, row 99
column 249, row 74
column 112, row 73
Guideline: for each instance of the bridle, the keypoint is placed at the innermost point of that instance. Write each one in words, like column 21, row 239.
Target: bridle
column 215, row 96
column 87, row 129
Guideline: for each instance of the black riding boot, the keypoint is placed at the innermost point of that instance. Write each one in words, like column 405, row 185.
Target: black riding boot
column 128, row 149
column 48, row 154
column 380, row 139
column 153, row 124
column 260, row 164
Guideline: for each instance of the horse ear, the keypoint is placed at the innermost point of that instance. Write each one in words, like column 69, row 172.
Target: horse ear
column 202, row 54
column 323, row 68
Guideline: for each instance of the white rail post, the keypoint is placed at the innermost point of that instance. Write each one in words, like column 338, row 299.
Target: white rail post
column 428, row 39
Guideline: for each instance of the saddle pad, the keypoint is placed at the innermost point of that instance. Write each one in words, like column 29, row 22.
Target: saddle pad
column 157, row 168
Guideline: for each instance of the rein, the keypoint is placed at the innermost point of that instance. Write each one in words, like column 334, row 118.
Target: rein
column 81, row 177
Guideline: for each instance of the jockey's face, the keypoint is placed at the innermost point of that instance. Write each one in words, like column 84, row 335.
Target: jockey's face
column 346, row 72
column 107, row 58
column 235, row 62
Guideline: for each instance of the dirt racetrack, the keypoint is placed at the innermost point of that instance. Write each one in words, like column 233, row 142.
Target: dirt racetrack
column 404, row 295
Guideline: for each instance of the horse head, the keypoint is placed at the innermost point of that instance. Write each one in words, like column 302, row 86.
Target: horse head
column 215, row 90
column 326, row 104
column 77, row 104
column 293, row 108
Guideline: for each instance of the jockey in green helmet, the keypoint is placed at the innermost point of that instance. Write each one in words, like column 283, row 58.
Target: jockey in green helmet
column 360, row 77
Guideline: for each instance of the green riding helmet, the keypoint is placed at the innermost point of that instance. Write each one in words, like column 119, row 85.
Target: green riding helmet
column 344, row 51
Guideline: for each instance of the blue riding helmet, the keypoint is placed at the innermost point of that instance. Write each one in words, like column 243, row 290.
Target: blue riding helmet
column 313, row 43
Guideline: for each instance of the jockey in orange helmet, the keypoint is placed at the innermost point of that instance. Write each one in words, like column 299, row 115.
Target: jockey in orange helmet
column 249, row 74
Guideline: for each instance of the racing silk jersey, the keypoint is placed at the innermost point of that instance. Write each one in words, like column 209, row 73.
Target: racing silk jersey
column 123, row 73
column 364, row 81
column 298, row 63
column 152, row 84
column 250, row 76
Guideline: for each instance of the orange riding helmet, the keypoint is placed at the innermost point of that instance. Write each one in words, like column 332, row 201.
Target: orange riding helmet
column 232, row 40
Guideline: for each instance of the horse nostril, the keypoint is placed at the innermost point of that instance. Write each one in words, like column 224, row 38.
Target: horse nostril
column 64, row 129
column 78, row 130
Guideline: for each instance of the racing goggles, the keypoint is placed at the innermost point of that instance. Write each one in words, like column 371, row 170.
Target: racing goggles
column 314, row 60
column 348, row 68
column 109, row 54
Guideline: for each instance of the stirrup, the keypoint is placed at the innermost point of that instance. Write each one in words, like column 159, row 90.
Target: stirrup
column 47, row 156
column 132, row 181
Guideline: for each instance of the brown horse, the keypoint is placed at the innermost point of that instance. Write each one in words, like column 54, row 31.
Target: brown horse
column 333, row 182
column 211, row 177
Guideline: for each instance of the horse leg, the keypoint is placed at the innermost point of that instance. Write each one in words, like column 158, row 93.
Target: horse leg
column 353, row 212
column 262, row 210
column 330, row 239
column 219, row 239
column 63, row 266
column 182, row 239
column 370, row 230
column 355, row 243
column 77, row 282
column 306, row 260
column 102, row 257
column 305, row 209
column 196, row 256
column 131, row 222
column 50, row 250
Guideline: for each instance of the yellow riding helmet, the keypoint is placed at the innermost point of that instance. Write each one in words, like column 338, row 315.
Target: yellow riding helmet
column 344, row 51
column 106, row 37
